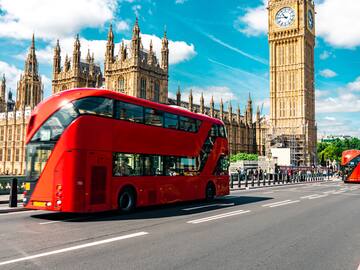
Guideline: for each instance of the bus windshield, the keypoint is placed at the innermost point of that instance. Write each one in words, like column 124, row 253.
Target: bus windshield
column 37, row 155
column 350, row 166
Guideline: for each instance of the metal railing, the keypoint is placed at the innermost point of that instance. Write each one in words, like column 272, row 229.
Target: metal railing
column 12, row 185
column 245, row 181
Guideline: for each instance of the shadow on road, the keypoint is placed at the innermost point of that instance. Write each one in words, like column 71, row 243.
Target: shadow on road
column 160, row 211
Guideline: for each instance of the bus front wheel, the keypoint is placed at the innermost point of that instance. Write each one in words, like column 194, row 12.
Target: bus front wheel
column 210, row 192
column 127, row 200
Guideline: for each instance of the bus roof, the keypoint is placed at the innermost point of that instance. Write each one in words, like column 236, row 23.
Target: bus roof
column 53, row 103
column 349, row 155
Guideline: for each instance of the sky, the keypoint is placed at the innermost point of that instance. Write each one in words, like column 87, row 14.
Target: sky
column 217, row 47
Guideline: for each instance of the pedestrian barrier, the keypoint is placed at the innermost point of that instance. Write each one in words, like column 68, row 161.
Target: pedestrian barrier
column 12, row 185
column 262, row 180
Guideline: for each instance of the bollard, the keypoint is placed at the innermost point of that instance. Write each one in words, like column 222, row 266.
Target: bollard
column 239, row 181
column 252, row 180
column 264, row 178
column 258, row 180
column 246, row 181
column 231, row 181
column 13, row 193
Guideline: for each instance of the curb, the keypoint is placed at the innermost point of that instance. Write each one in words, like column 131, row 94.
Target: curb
column 12, row 210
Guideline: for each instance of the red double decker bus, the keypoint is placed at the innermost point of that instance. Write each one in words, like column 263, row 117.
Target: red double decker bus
column 90, row 150
column 350, row 166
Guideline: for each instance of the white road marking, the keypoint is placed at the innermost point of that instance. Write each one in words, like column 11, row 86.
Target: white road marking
column 20, row 212
column 309, row 196
column 268, row 192
column 281, row 204
column 340, row 191
column 330, row 191
column 274, row 203
column 209, row 205
column 96, row 243
column 224, row 215
column 317, row 197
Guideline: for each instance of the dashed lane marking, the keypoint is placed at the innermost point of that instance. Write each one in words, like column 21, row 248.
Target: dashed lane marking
column 207, row 206
column 318, row 197
column 274, row 203
column 20, row 212
column 91, row 244
column 282, row 204
column 309, row 196
column 224, row 215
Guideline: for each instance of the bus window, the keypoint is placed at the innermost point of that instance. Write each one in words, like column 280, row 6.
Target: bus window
column 171, row 120
column 222, row 166
column 188, row 166
column 171, row 165
column 127, row 164
column 95, row 105
column 52, row 129
column 188, row 124
column 129, row 112
column 153, row 117
column 222, row 131
column 153, row 165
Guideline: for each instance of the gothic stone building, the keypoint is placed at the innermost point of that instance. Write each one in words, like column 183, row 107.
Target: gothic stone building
column 75, row 73
column 14, row 116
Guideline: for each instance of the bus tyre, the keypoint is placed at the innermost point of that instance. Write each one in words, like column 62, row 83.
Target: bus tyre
column 127, row 200
column 210, row 192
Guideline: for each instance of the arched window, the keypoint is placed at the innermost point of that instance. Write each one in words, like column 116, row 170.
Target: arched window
column 157, row 91
column 121, row 85
column 143, row 88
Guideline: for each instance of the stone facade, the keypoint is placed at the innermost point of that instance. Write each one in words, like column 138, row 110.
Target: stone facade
column 75, row 72
column 136, row 71
column 14, row 116
column 292, row 95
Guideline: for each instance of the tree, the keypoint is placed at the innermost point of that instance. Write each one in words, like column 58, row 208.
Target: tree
column 333, row 150
column 243, row 156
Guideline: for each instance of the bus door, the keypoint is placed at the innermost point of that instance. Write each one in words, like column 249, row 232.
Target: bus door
column 98, row 180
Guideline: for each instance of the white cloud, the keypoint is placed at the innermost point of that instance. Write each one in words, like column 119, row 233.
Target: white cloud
column 254, row 22
column 122, row 26
column 328, row 73
column 52, row 19
column 179, row 51
column 336, row 22
column 325, row 55
column 355, row 85
column 217, row 92
column 180, row 1
column 345, row 101
column 12, row 75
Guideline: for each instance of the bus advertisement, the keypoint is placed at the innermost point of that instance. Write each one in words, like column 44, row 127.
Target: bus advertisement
column 90, row 150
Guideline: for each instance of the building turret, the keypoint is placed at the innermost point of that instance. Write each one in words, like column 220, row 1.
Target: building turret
column 257, row 114
column 123, row 51
column 151, row 54
column 76, row 55
column 230, row 112
column 165, row 52
column 191, row 100
column 31, row 64
column 88, row 57
column 3, row 89
column 221, row 109
column 238, row 115
column 178, row 96
column 136, row 40
column 202, row 107
column 212, row 114
column 57, row 58
column 109, row 54
column 249, row 111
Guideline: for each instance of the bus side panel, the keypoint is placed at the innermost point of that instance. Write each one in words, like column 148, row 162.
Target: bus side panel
column 97, row 183
column 355, row 176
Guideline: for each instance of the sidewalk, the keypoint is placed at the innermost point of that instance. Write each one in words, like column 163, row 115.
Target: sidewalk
column 4, row 199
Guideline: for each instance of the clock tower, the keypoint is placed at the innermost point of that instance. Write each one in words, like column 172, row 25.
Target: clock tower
column 292, row 95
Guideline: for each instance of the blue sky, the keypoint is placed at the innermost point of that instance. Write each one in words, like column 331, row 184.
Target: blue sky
column 217, row 47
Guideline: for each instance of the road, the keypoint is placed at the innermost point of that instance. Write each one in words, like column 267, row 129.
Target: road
column 309, row 226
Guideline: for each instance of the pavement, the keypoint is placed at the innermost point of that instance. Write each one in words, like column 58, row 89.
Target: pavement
column 305, row 226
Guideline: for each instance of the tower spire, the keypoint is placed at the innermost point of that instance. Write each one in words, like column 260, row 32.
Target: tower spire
column 57, row 58
column 165, row 51
column 178, row 96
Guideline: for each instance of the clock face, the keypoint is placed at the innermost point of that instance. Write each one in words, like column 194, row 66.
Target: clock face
column 310, row 19
column 285, row 17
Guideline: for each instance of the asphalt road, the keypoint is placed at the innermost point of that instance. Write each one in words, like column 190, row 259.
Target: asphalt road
column 310, row 226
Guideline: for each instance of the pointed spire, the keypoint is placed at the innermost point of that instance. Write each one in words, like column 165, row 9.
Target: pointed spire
column 178, row 96
column 257, row 113
column 31, row 65
column 136, row 28
column 190, row 100
column 212, row 106
column 221, row 109
column 57, row 58
column 230, row 111
column 110, row 34
column 88, row 56
column 238, row 115
column 202, row 107
column 76, row 54
column 33, row 41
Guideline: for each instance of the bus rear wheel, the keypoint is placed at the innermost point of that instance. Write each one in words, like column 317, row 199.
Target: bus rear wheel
column 127, row 200
column 210, row 192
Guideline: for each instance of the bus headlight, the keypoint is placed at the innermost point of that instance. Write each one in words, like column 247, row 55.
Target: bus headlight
column 48, row 204
column 58, row 202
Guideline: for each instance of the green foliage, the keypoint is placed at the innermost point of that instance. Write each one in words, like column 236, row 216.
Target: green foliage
column 333, row 150
column 243, row 156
